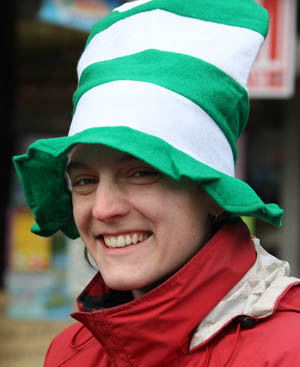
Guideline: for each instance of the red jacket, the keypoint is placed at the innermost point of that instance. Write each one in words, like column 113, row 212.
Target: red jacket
column 232, row 305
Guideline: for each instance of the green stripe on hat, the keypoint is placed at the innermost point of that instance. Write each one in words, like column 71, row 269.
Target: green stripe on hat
column 225, row 100
column 239, row 13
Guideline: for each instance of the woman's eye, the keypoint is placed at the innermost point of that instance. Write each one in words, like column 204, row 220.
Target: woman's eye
column 144, row 176
column 83, row 184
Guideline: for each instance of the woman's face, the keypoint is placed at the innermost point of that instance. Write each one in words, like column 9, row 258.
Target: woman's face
column 139, row 225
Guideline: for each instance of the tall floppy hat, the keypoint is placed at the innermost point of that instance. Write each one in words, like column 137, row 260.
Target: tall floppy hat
column 165, row 81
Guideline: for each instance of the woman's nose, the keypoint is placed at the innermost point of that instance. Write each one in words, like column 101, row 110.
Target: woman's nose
column 109, row 202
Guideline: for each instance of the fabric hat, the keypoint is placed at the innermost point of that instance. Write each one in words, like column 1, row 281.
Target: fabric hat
column 165, row 81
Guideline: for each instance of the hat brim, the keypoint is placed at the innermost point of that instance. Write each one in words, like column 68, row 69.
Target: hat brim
column 41, row 171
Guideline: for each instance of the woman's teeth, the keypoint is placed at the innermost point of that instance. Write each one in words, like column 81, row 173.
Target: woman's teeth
column 125, row 240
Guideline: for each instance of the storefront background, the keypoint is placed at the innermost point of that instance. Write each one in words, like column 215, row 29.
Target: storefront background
column 41, row 277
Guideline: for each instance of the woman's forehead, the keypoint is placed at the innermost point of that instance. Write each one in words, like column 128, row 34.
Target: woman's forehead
column 89, row 153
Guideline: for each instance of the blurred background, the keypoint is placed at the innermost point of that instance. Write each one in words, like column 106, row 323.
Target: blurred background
column 41, row 41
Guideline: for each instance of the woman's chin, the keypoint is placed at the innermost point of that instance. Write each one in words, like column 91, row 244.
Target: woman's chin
column 136, row 286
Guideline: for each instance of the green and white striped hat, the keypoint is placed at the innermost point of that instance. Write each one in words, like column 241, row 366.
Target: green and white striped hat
column 166, row 81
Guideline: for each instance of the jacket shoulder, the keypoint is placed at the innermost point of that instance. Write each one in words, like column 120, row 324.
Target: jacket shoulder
column 290, row 300
column 278, row 336
column 75, row 346
column 273, row 341
column 284, row 325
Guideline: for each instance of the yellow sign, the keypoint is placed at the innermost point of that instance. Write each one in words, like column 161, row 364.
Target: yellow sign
column 29, row 252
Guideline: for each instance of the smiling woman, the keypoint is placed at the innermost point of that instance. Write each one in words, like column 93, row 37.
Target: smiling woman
column 146, row 179
column 128, row 214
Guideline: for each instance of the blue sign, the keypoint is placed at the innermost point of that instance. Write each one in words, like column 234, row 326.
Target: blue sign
column 78, row 14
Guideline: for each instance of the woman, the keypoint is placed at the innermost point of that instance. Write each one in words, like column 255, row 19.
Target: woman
column 146, row 178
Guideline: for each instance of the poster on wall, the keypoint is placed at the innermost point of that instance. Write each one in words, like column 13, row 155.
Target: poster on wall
column 36, row 275
column 77, row 14
column 273, row 73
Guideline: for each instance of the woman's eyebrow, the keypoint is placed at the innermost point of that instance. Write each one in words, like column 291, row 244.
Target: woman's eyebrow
column 125, row 157
column 73, row 165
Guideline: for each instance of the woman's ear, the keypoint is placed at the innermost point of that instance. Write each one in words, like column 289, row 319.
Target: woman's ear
column 213, row 208
column 217, row 213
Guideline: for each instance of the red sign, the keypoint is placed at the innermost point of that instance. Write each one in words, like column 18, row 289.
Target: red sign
column 273, row 74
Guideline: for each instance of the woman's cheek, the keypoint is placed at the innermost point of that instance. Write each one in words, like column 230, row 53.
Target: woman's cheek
column 150, row 205
column 81, row 215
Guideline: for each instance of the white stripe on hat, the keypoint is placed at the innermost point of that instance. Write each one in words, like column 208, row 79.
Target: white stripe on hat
column 232, row 49
column 157, row 111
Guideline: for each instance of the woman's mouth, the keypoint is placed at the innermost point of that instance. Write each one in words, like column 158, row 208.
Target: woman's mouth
column 125, row 239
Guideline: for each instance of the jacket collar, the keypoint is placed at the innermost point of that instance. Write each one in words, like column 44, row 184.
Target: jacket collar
column 256, row 295
column 129, row 330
